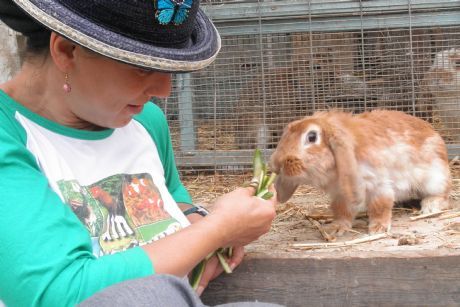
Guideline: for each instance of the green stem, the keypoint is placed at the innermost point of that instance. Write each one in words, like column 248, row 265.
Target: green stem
column 224, row 263
column 270, row 180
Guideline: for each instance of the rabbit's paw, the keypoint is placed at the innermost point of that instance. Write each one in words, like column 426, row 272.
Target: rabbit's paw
column 434, row 204
column 337, row 228
column 378, row 227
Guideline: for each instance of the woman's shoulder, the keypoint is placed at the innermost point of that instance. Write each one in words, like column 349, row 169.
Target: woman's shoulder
column 8, row 109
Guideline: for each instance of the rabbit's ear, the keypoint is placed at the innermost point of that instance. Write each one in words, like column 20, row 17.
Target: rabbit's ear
column 341, row 142
column 284, row 188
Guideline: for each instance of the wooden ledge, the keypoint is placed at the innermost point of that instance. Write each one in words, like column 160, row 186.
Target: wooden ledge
column 399, row 279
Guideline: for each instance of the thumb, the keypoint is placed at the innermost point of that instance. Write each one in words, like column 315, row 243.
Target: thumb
column 200, row 290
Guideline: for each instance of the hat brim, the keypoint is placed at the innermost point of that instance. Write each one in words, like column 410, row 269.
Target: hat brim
column 201, row 51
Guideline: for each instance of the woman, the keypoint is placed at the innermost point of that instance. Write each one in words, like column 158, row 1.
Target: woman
column 91, row 196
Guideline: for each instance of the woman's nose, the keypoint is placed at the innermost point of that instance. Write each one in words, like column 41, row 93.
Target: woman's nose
column 158, row 85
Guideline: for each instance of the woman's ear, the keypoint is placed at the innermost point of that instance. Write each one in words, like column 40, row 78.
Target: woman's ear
column 62, row 51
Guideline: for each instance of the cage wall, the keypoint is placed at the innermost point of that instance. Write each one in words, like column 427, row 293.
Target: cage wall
column 282, row 60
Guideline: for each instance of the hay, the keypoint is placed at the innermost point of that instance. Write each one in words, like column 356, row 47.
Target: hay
column 306, row 201
column 300, row 219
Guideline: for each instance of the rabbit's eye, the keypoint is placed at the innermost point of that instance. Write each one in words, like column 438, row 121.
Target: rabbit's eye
column 312, row 136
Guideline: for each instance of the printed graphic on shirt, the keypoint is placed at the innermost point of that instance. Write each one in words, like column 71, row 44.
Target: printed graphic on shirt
column 120, row 211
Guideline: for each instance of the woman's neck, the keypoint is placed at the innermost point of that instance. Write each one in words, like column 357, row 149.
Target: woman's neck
column 39, row 89
column 32, row 87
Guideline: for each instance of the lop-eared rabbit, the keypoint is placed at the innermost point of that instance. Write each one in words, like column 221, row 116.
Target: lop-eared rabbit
column 364, row 162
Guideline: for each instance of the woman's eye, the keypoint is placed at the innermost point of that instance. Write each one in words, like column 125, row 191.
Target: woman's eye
column 312, row 136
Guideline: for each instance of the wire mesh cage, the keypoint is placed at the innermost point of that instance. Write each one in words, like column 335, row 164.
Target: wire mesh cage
column 282, row 60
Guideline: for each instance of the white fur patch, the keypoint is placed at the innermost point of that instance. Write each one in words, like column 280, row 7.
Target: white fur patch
column 399, row 173
column 436, row 179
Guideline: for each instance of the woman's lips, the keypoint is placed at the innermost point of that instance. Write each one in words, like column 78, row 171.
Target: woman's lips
column 135, row 109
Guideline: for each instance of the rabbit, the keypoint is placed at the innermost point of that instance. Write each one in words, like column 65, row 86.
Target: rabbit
column 443, row 79
column 366, row 161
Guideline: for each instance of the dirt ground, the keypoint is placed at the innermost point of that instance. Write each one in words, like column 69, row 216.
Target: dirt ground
column 298, row 222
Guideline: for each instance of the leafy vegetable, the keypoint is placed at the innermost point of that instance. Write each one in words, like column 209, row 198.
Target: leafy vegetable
column 261, row 181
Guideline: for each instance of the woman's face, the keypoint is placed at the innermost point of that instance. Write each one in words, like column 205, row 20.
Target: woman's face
column 107, row 93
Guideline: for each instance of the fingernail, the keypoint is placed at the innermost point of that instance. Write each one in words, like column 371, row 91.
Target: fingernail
column 232, row 266
column 199, row 290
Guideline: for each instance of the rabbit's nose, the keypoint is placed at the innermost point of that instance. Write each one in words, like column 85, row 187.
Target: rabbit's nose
column 292, row 166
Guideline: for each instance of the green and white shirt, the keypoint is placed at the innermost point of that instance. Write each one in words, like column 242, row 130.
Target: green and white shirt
column 76, row 204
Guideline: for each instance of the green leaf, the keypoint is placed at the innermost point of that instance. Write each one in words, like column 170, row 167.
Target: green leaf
column 261, row 180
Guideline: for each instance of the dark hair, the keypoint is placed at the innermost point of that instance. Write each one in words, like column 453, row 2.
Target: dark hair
column 38, row 43
column 37, row 37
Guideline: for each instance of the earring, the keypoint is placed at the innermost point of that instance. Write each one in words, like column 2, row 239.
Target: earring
column 66, row 87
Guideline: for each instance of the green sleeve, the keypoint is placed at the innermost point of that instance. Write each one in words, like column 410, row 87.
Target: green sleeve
column 154, row 120
column 45, row 252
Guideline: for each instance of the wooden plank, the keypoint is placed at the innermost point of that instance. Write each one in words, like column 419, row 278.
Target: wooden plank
column 338, row 23
column 289, row 9
column 326, row 16
column 373, row 281
column 210, row 158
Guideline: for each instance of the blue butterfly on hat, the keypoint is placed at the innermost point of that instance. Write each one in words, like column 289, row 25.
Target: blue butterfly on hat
column 172, row 10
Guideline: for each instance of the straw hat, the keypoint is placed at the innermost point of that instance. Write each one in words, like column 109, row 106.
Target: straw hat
column 164, row 35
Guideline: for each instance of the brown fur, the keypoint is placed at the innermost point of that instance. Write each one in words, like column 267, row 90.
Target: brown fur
column 379, row 212
column 292, row 166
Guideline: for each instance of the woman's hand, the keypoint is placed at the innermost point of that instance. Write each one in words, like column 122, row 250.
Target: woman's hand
column 214, row 269
column 242, row 217
column 236, row 219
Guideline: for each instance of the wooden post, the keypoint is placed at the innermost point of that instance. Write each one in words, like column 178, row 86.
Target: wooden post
column 187, row 129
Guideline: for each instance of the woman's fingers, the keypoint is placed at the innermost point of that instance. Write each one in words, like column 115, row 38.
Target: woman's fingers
column 237, row 257
column 245, row 217
column 211, row 271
